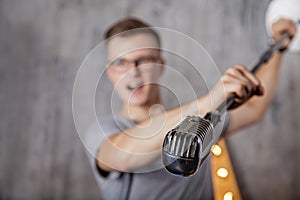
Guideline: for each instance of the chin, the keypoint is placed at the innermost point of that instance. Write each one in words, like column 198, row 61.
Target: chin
column 136, row 102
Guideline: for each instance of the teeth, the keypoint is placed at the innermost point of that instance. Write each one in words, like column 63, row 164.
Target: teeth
column 134, row 85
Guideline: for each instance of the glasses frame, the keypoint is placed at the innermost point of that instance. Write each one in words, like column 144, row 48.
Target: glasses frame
column 124, row 65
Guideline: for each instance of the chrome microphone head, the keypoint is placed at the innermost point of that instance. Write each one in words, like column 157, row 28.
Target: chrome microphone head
column 182, row 146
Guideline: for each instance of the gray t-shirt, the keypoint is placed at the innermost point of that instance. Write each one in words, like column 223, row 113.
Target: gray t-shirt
column 157, row 184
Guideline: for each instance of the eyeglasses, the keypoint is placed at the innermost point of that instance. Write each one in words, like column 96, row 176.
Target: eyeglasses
column 124, row 65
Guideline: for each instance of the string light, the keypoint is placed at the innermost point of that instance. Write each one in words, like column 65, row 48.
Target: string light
column 216, row 150
column 228, row 196
column 222, row 172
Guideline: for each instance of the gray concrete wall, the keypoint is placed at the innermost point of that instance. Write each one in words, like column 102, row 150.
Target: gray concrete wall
column 43, row 42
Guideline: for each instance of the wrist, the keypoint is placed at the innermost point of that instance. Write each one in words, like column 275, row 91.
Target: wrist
column 281, row 50
column 278, row 55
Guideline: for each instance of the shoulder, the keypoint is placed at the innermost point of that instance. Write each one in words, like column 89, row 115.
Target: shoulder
column 105, row 126
column 102, row 129
column 98, row 132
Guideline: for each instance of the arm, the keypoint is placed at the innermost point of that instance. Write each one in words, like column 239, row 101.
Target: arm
column 141, row 144
column 255, row 109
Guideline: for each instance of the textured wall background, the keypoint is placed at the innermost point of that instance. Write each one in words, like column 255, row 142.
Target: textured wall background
column 42, row 44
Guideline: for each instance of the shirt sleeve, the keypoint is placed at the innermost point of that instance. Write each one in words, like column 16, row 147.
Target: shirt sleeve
column 96, row 134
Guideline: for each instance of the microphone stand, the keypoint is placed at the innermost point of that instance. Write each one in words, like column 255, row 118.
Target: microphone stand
column 187, row 145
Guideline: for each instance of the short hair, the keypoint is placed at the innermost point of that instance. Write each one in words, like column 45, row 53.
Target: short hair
column 128, row 24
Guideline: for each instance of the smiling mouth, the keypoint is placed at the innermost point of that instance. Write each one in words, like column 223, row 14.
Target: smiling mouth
column 134, row 86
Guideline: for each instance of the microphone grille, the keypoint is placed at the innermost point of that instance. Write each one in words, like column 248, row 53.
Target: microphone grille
column 188, row 137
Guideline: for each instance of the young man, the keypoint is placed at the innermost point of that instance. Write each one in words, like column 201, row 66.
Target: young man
column 132, row 140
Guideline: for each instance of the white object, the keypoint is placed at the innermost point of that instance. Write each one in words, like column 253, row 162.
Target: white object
column 287, row 9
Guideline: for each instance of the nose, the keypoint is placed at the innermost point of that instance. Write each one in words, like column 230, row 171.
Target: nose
column 135, row 71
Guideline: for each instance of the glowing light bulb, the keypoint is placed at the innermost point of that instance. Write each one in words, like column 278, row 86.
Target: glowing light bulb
column 222, row 172
column 216, row 150
column 228, row 196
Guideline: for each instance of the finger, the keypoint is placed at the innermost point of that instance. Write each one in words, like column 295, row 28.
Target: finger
column 249, row 75
column 291, row 29
column 241, row 88
column 260, row 91
column 281, row 26
column 235, row 87
column 238, row 74
column 257, row 87
column 250, row 79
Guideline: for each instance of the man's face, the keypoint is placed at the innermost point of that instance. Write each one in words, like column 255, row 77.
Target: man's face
column 135, row 66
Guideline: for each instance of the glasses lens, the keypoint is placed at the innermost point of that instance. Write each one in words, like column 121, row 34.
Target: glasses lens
column 147, row 60
column 118, row 62
column 122, row 65
column 119, row 65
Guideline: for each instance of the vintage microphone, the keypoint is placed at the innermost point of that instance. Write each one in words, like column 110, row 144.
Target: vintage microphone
column 187, row 145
